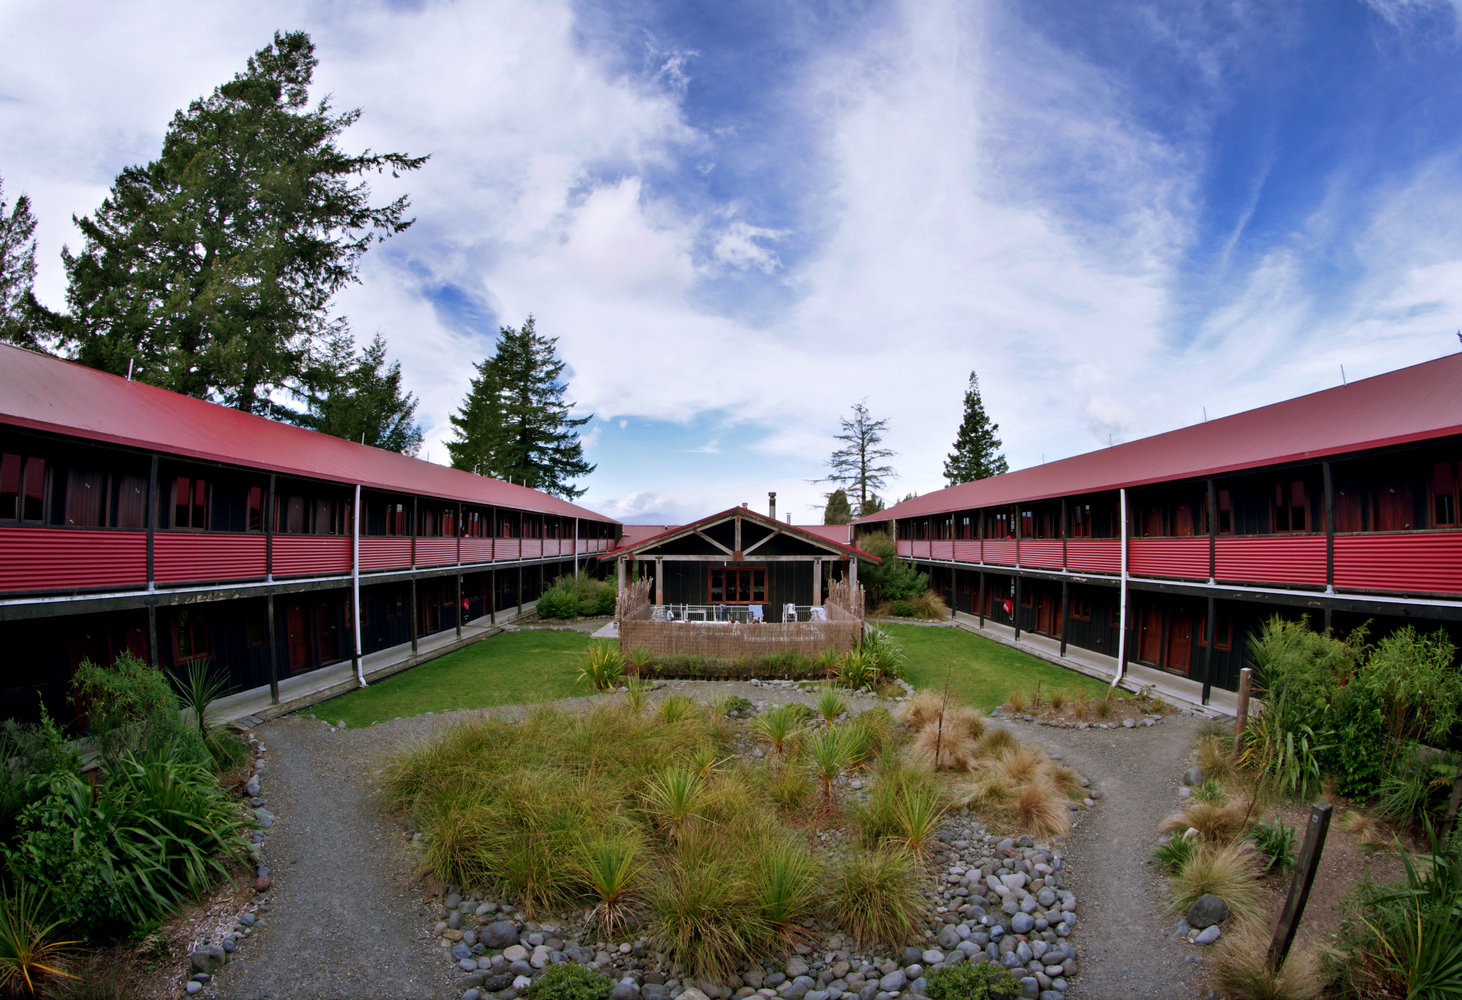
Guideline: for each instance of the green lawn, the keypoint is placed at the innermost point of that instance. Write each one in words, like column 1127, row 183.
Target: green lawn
column 982, row 672
column 512, row 668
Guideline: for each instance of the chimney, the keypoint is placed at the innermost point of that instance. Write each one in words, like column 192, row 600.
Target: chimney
column 772, row 504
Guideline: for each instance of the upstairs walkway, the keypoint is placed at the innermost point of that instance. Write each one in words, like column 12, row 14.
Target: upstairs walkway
column 303, row 690
column 1171, row 688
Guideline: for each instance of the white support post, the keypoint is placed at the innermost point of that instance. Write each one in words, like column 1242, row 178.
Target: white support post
column 355, row 587
column 1122, row 604
column 817, row 583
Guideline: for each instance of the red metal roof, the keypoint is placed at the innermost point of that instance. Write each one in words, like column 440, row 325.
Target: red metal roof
column 637, row 537
column 1413, row 404
column 50, row 394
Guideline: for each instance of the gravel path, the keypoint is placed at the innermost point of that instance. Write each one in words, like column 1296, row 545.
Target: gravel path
column 1125, row 935
column 347, row 919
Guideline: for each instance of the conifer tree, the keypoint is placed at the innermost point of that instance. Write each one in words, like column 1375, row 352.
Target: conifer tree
column 837, row 510
column 976, row 452
column 210, row 270
column 514, row 423
column 19, row 312
column 358, row 396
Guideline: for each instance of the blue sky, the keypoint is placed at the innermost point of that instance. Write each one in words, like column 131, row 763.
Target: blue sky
column 741, row 219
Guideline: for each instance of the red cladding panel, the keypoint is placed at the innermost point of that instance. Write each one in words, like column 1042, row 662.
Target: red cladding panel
column 1000, row 551
column 198, row 557
column 476, row 550
column 1043, row 552
column 506, row 548
column 1422, row 563
column 436, row 551
column 943, row 549
column 1185, row 558
column 532, row 548
column 306, row 555
column 967, row 551
column 385, row 553
column 905, row 548
column 1094, row 555
column 69, row 559
column 1293, row 559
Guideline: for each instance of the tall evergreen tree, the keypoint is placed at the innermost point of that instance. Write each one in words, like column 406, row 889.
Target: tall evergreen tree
column 837, row 510
column 514, row 423
column 856, row 464
column 211, row 269
column 358, row 396
column 19, row 312
column 976, row 452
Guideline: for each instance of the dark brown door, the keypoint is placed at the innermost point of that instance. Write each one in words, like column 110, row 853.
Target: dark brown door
column 1045, row 614
column 327, row 632
column 1149, row 644
column 1180, row 642
column 298, row 628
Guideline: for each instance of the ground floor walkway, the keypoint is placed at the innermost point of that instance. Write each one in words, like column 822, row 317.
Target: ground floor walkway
column 1173, row 688
column 254, row 706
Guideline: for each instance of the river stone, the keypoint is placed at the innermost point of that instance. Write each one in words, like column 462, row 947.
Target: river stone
column 515, row 953
column 692, row 994
column 1207, row 911
column 1193, row 776
column 893, row 982
column 1208, row 935
column 625, row 990
column 500, row 934
column 206, row 958
column 192, row 986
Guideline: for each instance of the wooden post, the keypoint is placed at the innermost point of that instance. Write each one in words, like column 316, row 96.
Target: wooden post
column 1449, row 821
column 1299, row 890
column 1243, row 717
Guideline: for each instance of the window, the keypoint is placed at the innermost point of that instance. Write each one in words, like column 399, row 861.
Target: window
column 1223, row 632
column 190, row 503
column 1080, row 609
column 1444, row 494
column 1225, row 513
column 1027, row 599
column 966, row 528
column 190, row 638
column 10, row 466
column 1290, row 506
column 737, row 586
column 1081, row 520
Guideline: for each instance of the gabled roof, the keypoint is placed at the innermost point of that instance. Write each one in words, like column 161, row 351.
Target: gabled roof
column 1413, row 404
column 636, row 543
column 44, row 393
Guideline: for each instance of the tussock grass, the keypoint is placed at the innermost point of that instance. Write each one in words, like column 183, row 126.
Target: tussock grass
column 1041, row 808
column 1241, row 968
column 1369, row 832
column 876, row 897
column 1231, row 873
column 1216, row 822
column 923, row 708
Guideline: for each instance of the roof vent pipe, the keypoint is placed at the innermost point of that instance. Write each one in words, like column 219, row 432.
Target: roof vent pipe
column 772, row 504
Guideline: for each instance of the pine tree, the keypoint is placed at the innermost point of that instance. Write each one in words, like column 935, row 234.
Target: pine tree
column 514, row 423
column 837, row 510
column 856, row 464
column 19, row 312
column 210, row 270
column 976, row 452
column 358, row 396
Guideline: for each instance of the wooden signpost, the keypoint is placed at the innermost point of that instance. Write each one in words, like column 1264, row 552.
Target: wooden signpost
column 1299, row 890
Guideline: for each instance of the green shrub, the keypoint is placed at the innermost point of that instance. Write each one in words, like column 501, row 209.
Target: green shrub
column 580, row 594
column 558, row 603
column 1357, row 754
column 159, row 831
column 1172, row 854
column 884, row 657
column 1416, row 790
column 1416, row 684
column 131, row 707
column 892, row 579
column 570, row 981
column 971, row 981
column 903, row 609
column 736, row 703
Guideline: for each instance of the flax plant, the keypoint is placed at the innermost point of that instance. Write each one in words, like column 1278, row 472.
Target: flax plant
column 612, row 869
column 672, row 799
column 778, row 727
column 827, row 756
column 830, row 704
